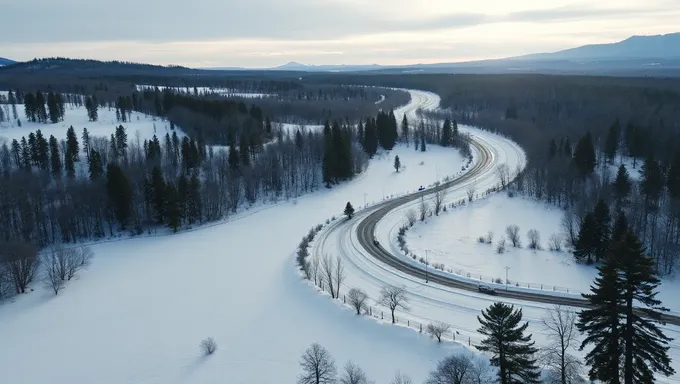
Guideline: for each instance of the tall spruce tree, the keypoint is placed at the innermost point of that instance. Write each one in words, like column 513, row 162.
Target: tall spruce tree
column 53, row 108
column 158, row 194
column 172, row 213
column 95, row 166
column 41, row 112
column 120, row 194
column 446, row 138
column 652, row 182
column 584, row 156
column 87, row 146
column 404, row 129
column 673, row 181
column 611, row 145
column 622, row 187
column 585, row 246
column 42, row 151
column 512, row 351
column 602, row 220
column 55, row 157
column 328, row 162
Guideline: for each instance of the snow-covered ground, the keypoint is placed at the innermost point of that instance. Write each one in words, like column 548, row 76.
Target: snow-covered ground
column 138, row 314
column 140, row 125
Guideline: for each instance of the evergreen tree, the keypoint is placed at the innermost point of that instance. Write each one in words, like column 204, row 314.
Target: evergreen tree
column 446, row 134
column 113, row 148
column 96, row 168
column 299, row 141
column 612, row 143
column 172, row 207
column 121, row 142
column 602, row 230
column 652, row 182
column 552, row 149
column 42, row 150
column 342, row 153
column 328, row 164
column 60, row 106
column 233, row 158
column 349, row 210
column 620, row 228
column 370, row 137
column 33, row 147
column 584, row 156
column 567, row 148
column 120, row 194
column 397, row 163
column 673, row 181
column 53, row 108
column 455, row 129
column 183, row 196
column 11, row 99
column 194, row 203
column 587, row 239
column 244, row 150
column 72, row 146
column 158, row 194
column 87, row 146
column 29, row 107
column 404, row 129
column 55, row 157
column 622, row 187
column 41, row 112
column 422, row 142
column 513, row 352
column 16, row 153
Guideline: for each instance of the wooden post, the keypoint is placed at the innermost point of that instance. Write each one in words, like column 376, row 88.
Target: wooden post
column 468, row 341
column 382, row 317
column 421, row 328
column 343, row 299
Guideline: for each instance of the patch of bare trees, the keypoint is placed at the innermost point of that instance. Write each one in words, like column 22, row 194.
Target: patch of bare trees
column 333, row 274
column 358, row 299
column 534, row 239
column 424, row 209
column 20, row 263
column 318, row 366
column 400, row 378
column 471, row 192
column 437, row 330
column 555, row 243
column 513, row 235
column 411, row 217
column 563, row 367
column 500, row 247
column 503, row 172
column 393, row 297
column 61, row 264
column 439, row 196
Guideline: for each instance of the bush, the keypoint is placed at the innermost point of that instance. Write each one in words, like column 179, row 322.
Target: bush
column 498, row 281
column 208, row 346
column 534, row 239
column 500, row 248
column 481, row 240
column 513, row 235
column 555, row 243
column 489, row 237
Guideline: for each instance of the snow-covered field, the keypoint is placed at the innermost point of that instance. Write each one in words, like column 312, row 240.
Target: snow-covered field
column 141, row 125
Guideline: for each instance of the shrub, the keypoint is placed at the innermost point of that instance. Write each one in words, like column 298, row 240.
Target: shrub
column 498, row 281
column 208, row 346
column 500, row 248
column 489, row 238
column 555, row 243
column 534, row 239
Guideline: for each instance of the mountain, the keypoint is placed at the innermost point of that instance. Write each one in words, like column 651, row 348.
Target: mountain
column 4, row 61
column 635, row 47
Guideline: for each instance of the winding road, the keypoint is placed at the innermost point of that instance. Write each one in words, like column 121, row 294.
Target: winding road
column 444, row 298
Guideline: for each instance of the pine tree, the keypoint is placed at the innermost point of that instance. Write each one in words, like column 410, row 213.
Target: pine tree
column 25, row 154
column 33, row 147
column 29, row 107
column 120, row 194
column 584, row 156
column 622, row 187
column 55, row 157
column 620, row 228
column 42, row 150
column 60, row 106
column 370, row 138
column 602, row 230
column 72, row 146
column 41, row 112
column 673, row 181
column 16, row 153
column 172, row 210
column 349, row 210
column 233, row 158
column 96, row 168
column 446, row 134
column 455, row 129
column 422, row 142
column 158, row 194
column 87, row 146
column 113, row 149
column 404, row 129
column 612, row 143
column 587, row 240
column 53, row 108
column 652, row 182
column 513, row 352
column 397, row 163
column 299, row 141
column 244, row 150
column 328, row 165
column 183, row 196
column 552, row 149
column 121, row 142
column 194, row 203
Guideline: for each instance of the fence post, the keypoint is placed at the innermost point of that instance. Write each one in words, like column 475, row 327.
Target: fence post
column 454, row 335
column 541, row 287
column 468, row 341
column 408, row 323
column 382, row 317
column 421, row 328
column 343, row 299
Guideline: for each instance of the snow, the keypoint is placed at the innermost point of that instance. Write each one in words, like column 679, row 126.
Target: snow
column 77, row 117
column 635, row 173
column 220, row 91
column 140, row 311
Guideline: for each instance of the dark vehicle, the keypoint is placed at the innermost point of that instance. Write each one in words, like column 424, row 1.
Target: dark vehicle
column 421, row 188
column 375, row 242
column 486, row 289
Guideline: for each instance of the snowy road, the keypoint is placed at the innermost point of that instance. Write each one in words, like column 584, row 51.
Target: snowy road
column 366, row 265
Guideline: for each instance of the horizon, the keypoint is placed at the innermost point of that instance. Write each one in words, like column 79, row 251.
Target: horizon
column 436, row 32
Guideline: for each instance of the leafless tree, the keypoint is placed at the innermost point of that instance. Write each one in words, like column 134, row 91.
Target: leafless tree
column 534, row 239
column 480, row 373
column 570, row 227
column 328, row 269
column 4, row 280
column 80, row 259
column 208, row 346
column 489, row 238
column 560, row 325
column 456, row 369
column 393, row 297
column 438, row 330
column 411, row 217
column 513, row 235
column 439, row 196
column 353, row 374
column 53, row 272
column 21, row 264
column 555, row 242
column 424, row 209
column 500, row 248
column 318, row 367
column 503, row 172
column 314, row 269
column 400, row 378
column 471, row 192
column 357, row 298
column 339, row 275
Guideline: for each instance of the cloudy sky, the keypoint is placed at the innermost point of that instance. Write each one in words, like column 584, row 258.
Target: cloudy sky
column 261, row 33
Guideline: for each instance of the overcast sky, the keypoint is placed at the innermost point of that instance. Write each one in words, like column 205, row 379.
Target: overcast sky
column 262, row 33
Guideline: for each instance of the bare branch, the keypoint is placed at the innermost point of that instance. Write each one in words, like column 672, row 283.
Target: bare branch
column 393, row 297
column 438, row 330
column 357, row 298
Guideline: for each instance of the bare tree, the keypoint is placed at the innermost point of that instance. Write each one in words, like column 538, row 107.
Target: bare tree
column 21, row 264
column 400, row 378
column 534, row 239
column 339, row 275
column 424, row 209
column 438, row 330
column 314, row 269
column 353, row 374
column 513, row 235
column 500, row 248
column 471, row 192
column 570, row 227
column 208, row 346
column 328, row 269
column 411, row 217
column 357, row 298
column 4, row 280
column 555, row 242
column 393, row 297
column 560, row 325
column 503, row 172
column 456, row 369
column 318, row 367
column 80, row 259
column 439, row 196
column 52, row 272
column 480, row 373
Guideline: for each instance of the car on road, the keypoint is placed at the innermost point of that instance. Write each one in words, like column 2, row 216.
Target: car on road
column 375, row 242
column 486, row 289
column 421, row 188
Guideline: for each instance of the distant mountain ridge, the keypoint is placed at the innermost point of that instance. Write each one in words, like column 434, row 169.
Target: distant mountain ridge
column 4, row 61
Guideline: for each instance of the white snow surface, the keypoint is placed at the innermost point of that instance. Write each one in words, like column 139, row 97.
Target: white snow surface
column 139, row 312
